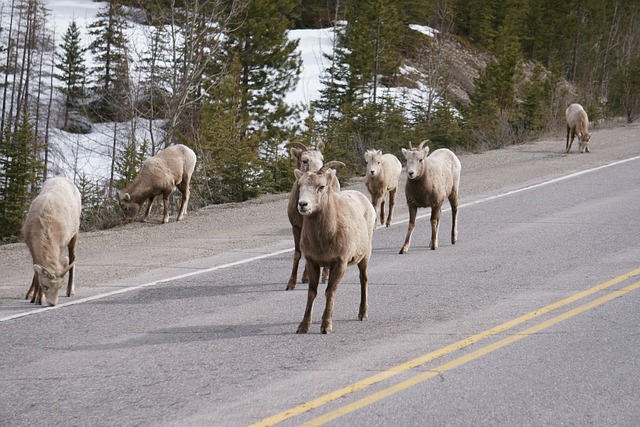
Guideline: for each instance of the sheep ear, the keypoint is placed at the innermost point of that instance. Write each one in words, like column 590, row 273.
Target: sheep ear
column 426, row 150
column 42, row 271
column 379, row 152
column 126, row 197
column 296, row 152
column 404, row 152
column 298, row 173
column 320, row 146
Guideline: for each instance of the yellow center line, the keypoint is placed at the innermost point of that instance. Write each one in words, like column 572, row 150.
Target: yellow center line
column 465, row 359
column 411, row 364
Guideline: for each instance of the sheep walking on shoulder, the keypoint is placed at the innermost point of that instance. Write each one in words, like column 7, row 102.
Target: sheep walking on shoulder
column 431, row 180
column 308, row 159
column 383, row 173
column 160, row 174
column 336, row 232
column 577, row 124
column 52, row 224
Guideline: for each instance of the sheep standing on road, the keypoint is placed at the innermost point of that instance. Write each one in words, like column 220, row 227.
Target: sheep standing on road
column 336, row 232
column 52, row 224
column 160, row 174
column 577, row 124
column 430, row 180
column 383, row 173
column 308, row 159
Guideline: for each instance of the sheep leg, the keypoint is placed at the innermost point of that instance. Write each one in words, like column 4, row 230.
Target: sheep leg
column 392, row 203
column 364, row 284
column 34, row 287
column 73, row 244
column 382, row 211
column 314, row 276
column 570, row 142
column 325, row 275
column 297, row 254
column 184, row 189
column 146, row 213
column 453, row 200
column 435, row 224
column 165, row 203
column 337, row 271
column 412, row 224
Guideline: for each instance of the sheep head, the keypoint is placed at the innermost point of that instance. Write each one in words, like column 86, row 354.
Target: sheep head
column 315, row 187
column 373, row 158
column 52, row 278
column 128, row 206
column 307, row 159
column 415, row 158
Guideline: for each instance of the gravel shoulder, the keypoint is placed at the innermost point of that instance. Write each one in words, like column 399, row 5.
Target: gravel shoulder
column 139, row 253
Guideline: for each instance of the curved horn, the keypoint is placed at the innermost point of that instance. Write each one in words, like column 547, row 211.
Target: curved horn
column 296, row 144
column 331, row 164
column 422, row 144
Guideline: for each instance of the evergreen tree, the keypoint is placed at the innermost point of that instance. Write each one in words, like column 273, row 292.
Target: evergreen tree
column 229, row 155
column 19, row 178
column 109, row 47
column 269, row 66
column 72, row 70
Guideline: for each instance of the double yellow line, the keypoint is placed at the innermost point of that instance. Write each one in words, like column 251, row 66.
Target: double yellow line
column 374, row 379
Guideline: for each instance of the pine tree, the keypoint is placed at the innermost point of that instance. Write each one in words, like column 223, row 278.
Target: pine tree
column 111, row 72
column 269, row 66
column 72, row 69
column 19, row 178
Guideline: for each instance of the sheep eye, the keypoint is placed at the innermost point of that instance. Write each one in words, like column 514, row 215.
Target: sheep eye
column 321, row 188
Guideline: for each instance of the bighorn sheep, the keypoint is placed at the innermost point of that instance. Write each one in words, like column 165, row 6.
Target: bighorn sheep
column 52, row 223
column 577, row 124
column 336, row 232
column 429, row 181
column 383, row 173
column 308, row 159
column 171, row 167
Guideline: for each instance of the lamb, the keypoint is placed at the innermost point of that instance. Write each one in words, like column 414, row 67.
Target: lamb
column 53, row 223
column 429, row 181
column 336, row 232
column 383, row 173
column 577, row 124
column 171, row 167
column 308, row 159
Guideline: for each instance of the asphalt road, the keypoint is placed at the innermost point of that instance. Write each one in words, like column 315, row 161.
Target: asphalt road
column 530, row 319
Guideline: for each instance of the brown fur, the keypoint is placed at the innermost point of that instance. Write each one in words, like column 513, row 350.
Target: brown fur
column 307, row 159
column 52, row 224
column 577, row 124
column 160, row 174
column 337, row 232
column 431, row 180
column 383, row 173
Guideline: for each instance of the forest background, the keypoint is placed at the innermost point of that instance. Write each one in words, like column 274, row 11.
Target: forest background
column 214, row 75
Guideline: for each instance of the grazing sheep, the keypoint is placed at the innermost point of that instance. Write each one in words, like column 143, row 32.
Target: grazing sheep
column 577, row 124
column 52, row 223
column 383, row 173
column 171, row 167
column 429, row 181
column 336, row 232
column 308, row 159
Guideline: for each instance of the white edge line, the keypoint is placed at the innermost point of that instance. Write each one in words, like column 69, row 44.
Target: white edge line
column 259, row 257
column 144, row 285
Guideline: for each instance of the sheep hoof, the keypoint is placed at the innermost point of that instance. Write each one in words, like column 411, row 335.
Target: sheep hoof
column 326, row 330
column 302, row 329
column 403, row 251
column 362, row 317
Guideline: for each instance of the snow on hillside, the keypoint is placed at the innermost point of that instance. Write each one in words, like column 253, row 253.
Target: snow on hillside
column 91, row 154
